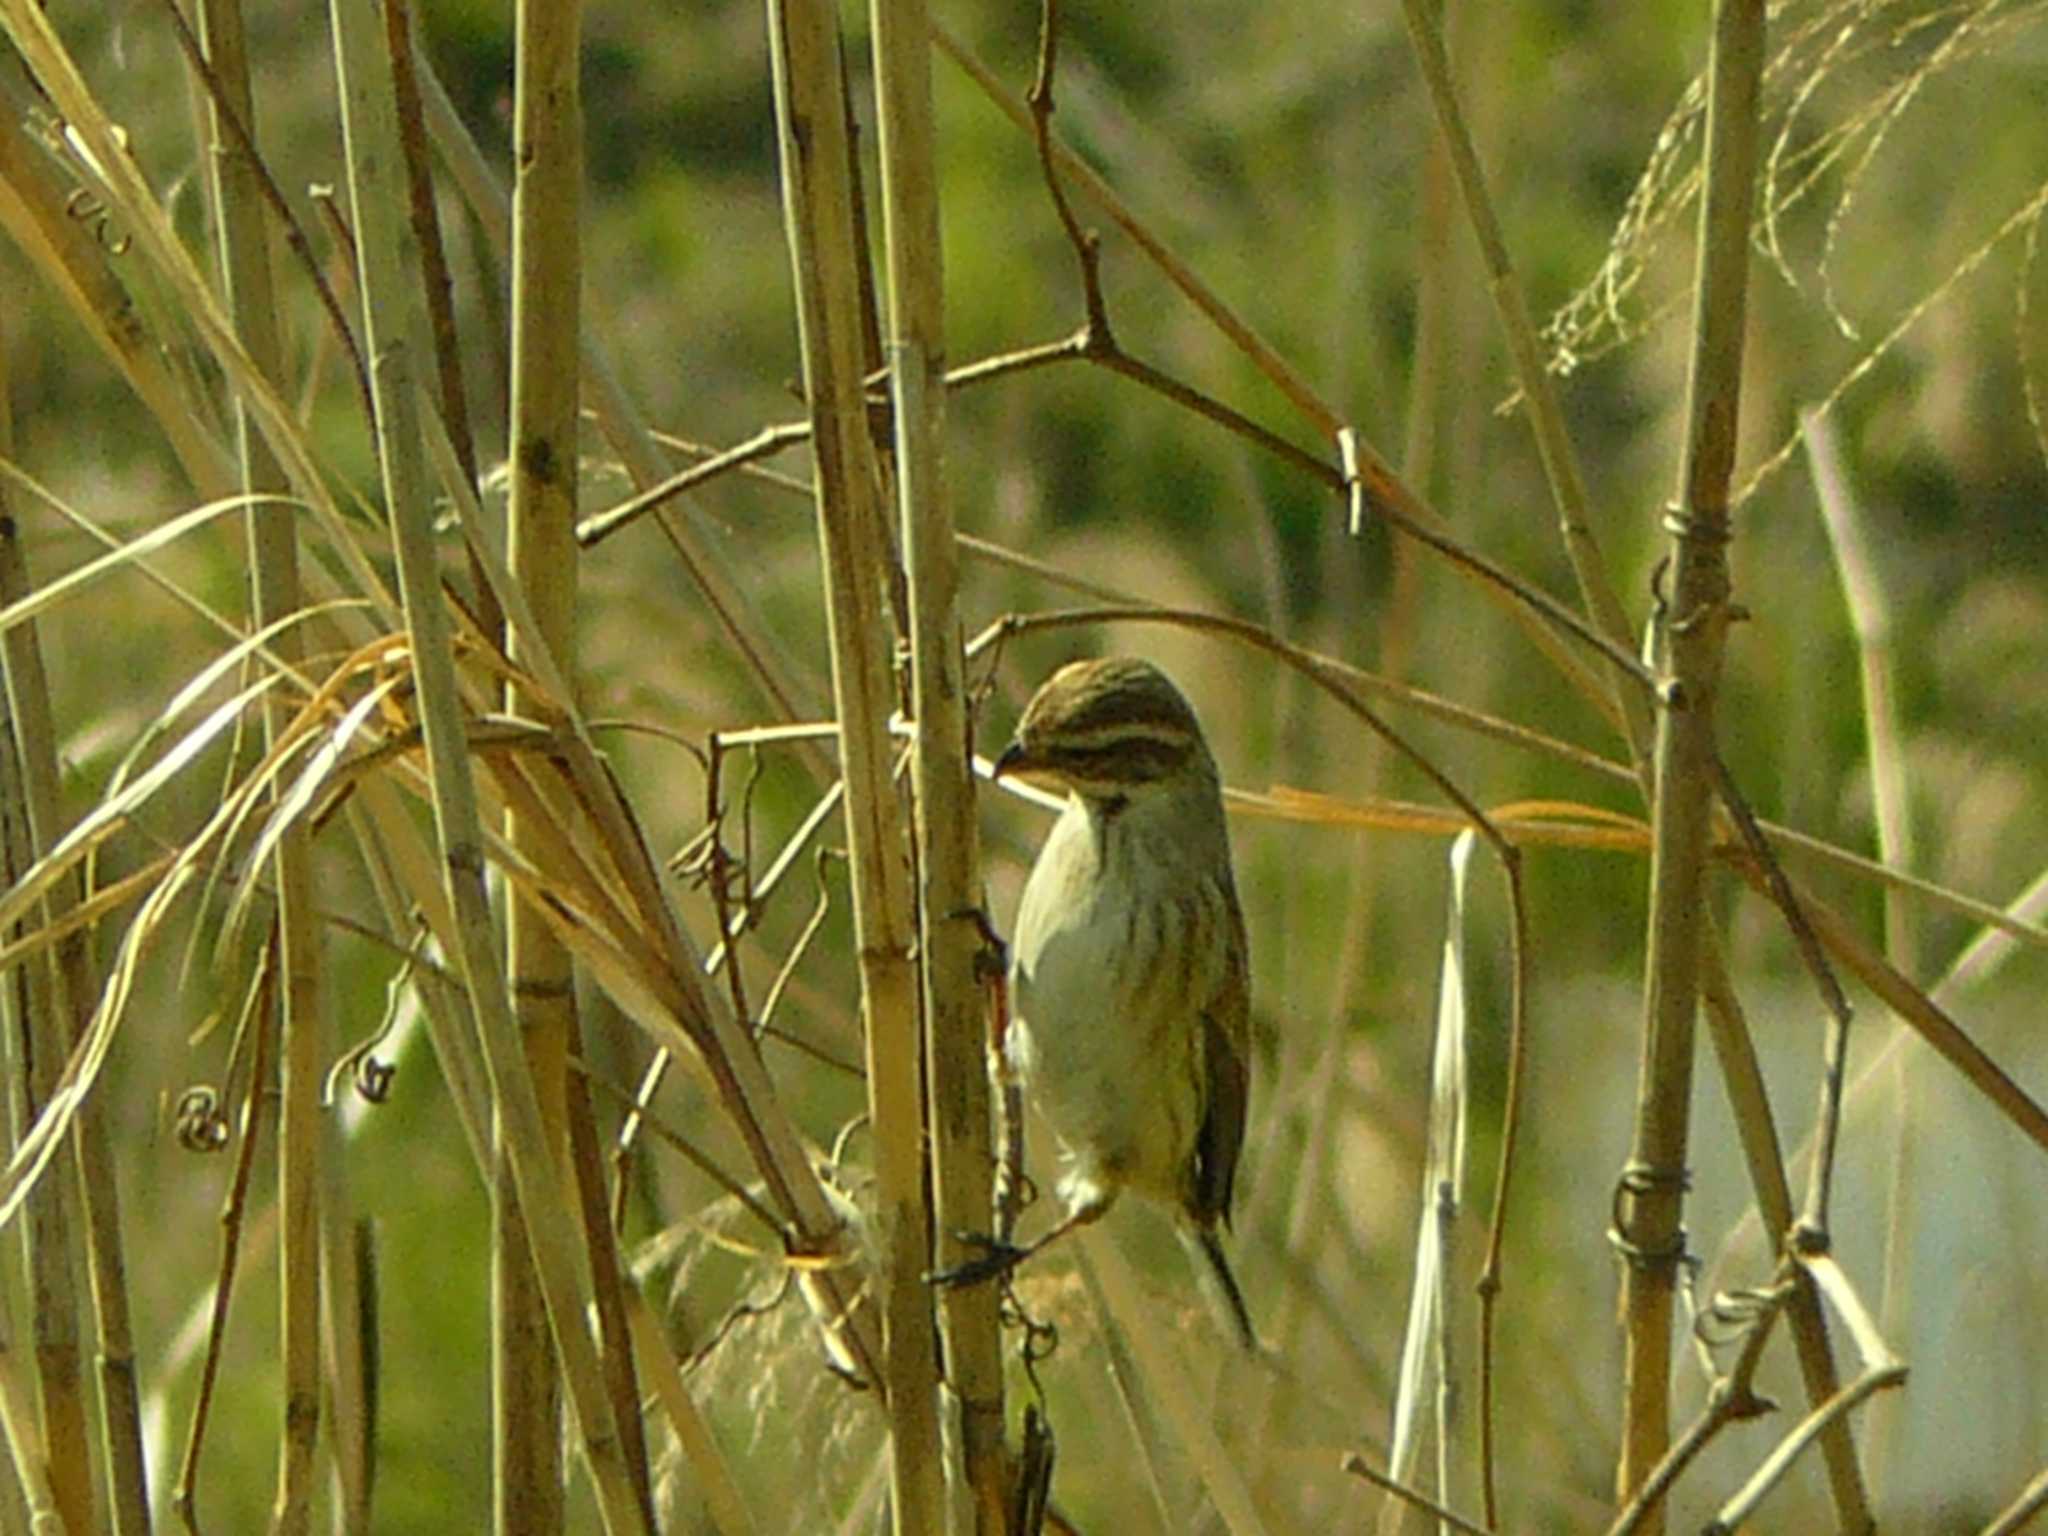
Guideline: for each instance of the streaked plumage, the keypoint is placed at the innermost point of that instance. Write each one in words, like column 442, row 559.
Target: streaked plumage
column 1130, row 1024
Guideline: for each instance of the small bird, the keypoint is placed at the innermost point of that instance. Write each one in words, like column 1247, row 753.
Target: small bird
column 1129, row 982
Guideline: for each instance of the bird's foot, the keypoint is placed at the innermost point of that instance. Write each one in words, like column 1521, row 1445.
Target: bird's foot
column 994, row 1259
column 992, row 959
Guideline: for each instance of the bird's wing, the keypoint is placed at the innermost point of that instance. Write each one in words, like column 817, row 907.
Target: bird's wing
column 1226, row 1055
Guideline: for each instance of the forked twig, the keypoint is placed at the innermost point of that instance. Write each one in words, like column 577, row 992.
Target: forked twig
column 1732, row 1398
column 1881, row 1370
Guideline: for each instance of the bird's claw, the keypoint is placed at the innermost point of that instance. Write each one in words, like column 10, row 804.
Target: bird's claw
column 992, row 960
column 995, row 1259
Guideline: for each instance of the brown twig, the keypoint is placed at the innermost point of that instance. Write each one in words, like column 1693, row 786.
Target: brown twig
column 1835, row 1051
column 262, row 1013
column 1358, row 1466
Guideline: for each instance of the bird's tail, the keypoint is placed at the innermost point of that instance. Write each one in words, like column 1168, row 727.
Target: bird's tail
column 1205, row 1249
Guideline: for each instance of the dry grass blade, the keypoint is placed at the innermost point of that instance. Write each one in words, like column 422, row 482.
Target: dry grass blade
column 137, row 550
column 77, row 265
column 114, row 811
column 1525, row 823
column 323, row 751
column 157, row 240
column 1432, row 1313
column 33, row 1151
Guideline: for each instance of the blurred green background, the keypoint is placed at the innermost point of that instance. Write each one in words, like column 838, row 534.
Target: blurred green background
column 1283, row 151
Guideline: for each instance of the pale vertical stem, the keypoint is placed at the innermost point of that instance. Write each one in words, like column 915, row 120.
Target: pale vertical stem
column 244, row 250
column 827, row 258
column 948, row 862
column 1695, row 633
column 393, row 324
column 547, row 197
column 38, row 1051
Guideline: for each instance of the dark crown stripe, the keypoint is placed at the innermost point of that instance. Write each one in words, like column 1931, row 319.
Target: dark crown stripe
column 1124, row 760
column 1089, row 737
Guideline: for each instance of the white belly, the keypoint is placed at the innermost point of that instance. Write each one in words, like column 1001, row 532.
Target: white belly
column 1113, row 1064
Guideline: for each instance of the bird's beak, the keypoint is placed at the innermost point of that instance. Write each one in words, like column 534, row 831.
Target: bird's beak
column 1018, row 762
column 1014, row 759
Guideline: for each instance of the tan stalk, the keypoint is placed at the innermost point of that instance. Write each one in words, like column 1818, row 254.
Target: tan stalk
column 394, row 325
column 670, row 1000
column 243, row 236
column 1695, row 632
column 349, row 1285
column 827, row 258
column 50, row 1234
column 795, row 694
column 1741, row 1075
column 948, row 852
column 547, row 258
column 611, row 1287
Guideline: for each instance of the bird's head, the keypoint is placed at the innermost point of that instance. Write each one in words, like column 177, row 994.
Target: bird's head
column 1108, row 730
